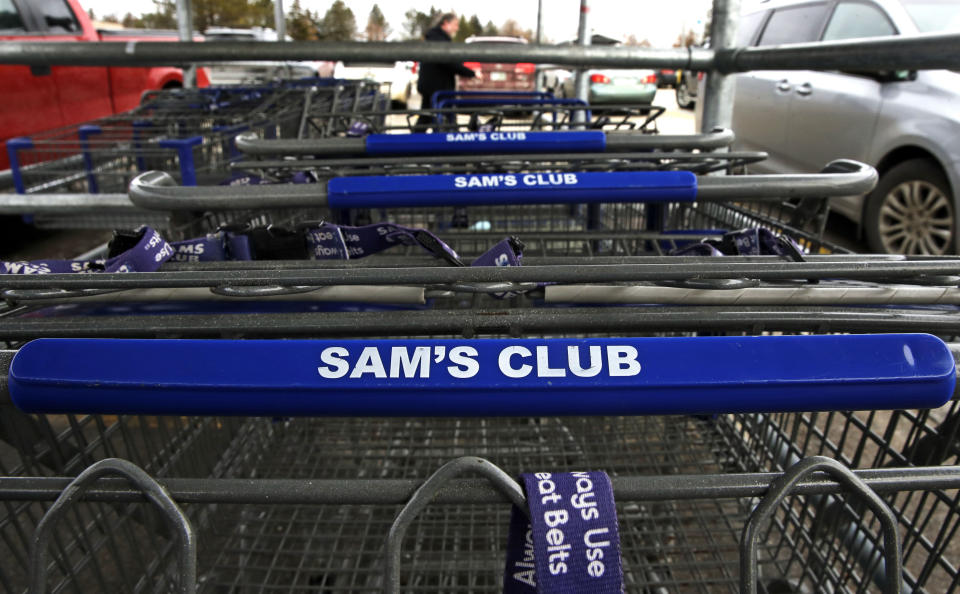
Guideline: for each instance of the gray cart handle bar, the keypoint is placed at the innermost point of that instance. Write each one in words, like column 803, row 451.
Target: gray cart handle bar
column 528, row 142
column 156, row 190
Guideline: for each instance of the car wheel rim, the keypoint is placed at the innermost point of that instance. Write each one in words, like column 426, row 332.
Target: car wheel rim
column 916, row 217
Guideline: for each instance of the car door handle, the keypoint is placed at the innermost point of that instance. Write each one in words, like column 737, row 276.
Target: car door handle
column 805, row 89
column 784, row 86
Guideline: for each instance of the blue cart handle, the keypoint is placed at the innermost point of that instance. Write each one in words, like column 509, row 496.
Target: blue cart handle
column 511, row 188
column 593, row 376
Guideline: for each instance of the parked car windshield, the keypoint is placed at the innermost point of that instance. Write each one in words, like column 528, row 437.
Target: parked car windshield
column 934, row 15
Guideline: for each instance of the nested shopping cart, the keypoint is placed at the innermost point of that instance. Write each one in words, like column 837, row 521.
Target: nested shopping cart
column 767, row 341
column 187, row 132
column 486, row 112
column 534, row 182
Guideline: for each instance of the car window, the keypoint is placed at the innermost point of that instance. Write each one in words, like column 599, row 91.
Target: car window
column 852, row 20
column 794, row 24
column 748, row 27
column 10, row 20
column 56, row 16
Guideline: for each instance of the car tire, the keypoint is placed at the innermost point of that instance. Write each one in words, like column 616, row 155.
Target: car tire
column 911, row 211
column 684, row 100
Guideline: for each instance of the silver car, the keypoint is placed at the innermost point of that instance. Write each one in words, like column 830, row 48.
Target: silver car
column 234, row 73
column 906, row 124
column 638, row 86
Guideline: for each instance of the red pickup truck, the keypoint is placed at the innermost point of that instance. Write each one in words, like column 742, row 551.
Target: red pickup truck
column 34, row 99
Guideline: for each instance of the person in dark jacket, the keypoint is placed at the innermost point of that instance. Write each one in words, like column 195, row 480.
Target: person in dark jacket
column 440, row 76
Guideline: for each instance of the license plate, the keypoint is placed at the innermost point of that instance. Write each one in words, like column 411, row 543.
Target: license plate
column 498, row 76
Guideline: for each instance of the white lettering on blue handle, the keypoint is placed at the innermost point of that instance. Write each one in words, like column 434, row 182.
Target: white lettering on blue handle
column 486, row 136
column 512, row 188
column 512, row 362
column 529, row 142
column 496, row 180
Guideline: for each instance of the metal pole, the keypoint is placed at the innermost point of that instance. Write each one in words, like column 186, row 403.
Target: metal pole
column 539, row 21
column 185, row 30
column 583, row 40
column 917, row 52
column 538, row 69
column 718, row 94
column 279, row 21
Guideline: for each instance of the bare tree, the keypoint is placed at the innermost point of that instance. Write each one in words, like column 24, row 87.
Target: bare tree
column 512, row 29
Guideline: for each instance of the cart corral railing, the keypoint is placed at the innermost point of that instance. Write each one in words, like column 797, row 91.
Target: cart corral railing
column 929, row 51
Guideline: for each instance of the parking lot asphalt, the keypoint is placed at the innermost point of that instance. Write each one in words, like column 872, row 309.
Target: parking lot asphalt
column 674, row 120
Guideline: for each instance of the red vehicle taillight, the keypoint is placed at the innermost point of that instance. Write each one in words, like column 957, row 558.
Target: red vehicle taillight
column 524, row 68
column 472, row 65
column 416, row 66
column 651, row 79
column 599, row 78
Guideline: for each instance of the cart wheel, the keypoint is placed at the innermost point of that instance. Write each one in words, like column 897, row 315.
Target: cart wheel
column 684, row 100
column 911, row 211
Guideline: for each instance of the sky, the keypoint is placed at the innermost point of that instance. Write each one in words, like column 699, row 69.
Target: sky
column 660, row 21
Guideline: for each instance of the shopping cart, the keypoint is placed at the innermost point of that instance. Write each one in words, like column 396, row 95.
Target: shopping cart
column 549, row 197
column 315, row 95
column 187, row 132
column 290, row 498
column 545, row 109
column 182, row 131
column 287, row 504
column 492, row 115
column 335, row 108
